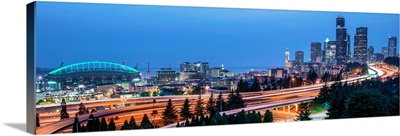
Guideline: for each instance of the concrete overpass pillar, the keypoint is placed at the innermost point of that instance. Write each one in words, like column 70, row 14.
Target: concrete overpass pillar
column 111, row 106
column 288, row 108
column 297, row 107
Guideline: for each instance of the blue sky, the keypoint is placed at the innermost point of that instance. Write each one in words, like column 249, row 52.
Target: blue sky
column 165, row 35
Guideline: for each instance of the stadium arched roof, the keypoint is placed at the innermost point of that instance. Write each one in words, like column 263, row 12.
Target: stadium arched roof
column 94, row 66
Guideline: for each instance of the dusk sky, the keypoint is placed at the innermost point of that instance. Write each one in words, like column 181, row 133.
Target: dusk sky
column 164, row 35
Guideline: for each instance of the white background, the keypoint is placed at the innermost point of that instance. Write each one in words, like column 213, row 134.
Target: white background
column 13, row 72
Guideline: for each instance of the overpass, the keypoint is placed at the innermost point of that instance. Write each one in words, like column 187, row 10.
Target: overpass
column 53, row 128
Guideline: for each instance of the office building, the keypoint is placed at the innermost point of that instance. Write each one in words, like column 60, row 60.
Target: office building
column 316, row 52
column 299, row 57
column 392, row 46
column 360, row 44
column 370, row 54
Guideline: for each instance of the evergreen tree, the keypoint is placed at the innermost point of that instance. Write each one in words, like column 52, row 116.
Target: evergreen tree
column 197, row 90
column 169, row 114
column 185, row 111
column 187, row 124
column 255, row 87
column 303, row 113
column 146, row 124
column 103, row 125
column 63, row 112
column 199, row 109
column 243, row 86
column 96, row 125
column 178, row 125
column 37, row 120
column 125, row 126
column 267, row 88
column 90, row 124
column 82, row 109
column 326, row 77
column 242, row 118
column 83, row 128
column 211, row 105
column 111, row 125
column 76, row 126
column 132, row 123
column 220, row 104
column 235, row 101
column 268, row 116
column 366, row 103
column 337, row 104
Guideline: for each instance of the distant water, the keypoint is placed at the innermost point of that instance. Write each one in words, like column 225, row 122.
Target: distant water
column 235, row 70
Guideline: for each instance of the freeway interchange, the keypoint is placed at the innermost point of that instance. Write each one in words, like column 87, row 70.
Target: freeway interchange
column 255, row 101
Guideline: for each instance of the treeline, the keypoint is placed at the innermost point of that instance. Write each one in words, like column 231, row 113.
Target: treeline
column 369, row 98
column 95, row 124
column 394, row 61
column 217, row 119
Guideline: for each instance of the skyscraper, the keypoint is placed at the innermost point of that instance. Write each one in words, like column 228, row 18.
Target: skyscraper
column 331, row 53
column 299, row 57
column 325, row 50
column 360, row 44
column 340, row 22
column 385, row 51
column 370, row 54
column 341, row 41
column 287, row 56
column 316, row 52
column 348, row 51
column 205, row 67
column 392, row 44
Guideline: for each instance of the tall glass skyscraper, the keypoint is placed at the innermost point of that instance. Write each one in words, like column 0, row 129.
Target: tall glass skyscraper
column 392, row 45
column 341, row 41
column 316, row 52
column 360, row 44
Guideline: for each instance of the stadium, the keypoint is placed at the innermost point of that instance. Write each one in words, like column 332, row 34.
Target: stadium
column 89, row 75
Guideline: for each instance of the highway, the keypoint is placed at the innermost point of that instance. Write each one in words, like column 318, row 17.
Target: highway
column 146, row 103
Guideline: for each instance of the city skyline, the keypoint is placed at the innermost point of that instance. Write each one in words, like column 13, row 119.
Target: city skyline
column 231, row 34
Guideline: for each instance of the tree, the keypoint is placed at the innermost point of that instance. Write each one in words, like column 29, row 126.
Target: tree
column 199, row 109
column 185, row 111
column 187, row 124
column 255, row 87
column 236, row 101
column 211, row 105
column 243, row 86
column 241, row 117
column 312, row 76
column 169, row 114
column 111, row 125
column 82, row 109
column 366, row 103
column 76, row 126
column 96, row 124
column 220, row 103
column 303, row 113
column 268, row 116
column 83, row 128
column 90, row 124
column 146, row 124
column 63, row 112
column 326, row 77
column 198, row 90
column 37, row 120
column 103, row 125
column 125, row 126
column 154, row 93
column 132, row 123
